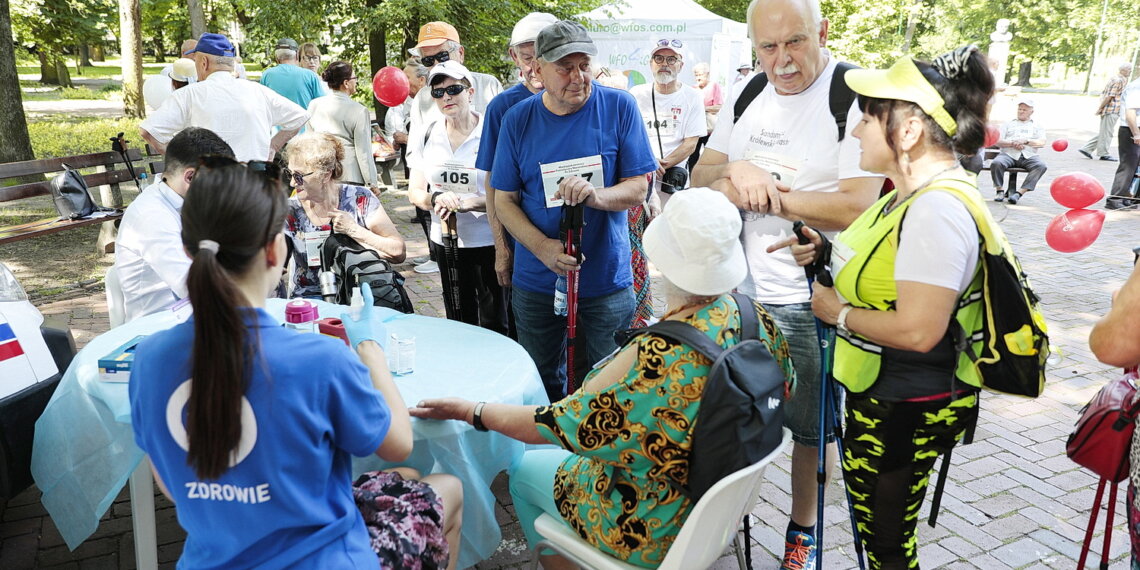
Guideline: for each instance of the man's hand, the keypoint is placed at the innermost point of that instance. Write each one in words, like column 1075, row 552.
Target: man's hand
column 574, row 190
column 503, row 264
column 661, row 167
column 553, row 256
column 400, row 138
column 754, row 189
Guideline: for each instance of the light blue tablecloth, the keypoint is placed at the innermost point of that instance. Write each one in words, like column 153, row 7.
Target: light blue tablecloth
column 84, row 449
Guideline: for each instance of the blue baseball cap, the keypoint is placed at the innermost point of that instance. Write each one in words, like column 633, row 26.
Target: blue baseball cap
column 214, row 44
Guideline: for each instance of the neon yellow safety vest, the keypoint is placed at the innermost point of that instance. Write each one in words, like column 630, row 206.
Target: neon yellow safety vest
column 867, row 280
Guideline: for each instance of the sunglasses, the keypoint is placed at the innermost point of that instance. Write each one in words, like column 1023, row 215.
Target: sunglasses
column 430, row 60
column 298, row 178
column 452, row 90
column 670, row 43
column 270, row 169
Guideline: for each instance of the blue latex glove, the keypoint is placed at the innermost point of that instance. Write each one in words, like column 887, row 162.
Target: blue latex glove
column 367, row 328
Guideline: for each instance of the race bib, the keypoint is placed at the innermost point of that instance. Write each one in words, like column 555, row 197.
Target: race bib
column 588, row 168
column 313, row 242
column 665, row 121
column 454, row 176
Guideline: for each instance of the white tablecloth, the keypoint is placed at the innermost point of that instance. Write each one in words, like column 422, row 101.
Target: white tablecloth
column 84, row 449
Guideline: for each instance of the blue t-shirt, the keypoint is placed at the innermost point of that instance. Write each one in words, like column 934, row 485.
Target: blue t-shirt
column 493, row 119
column 287, row 500
column 609, row 125
column 294, row 83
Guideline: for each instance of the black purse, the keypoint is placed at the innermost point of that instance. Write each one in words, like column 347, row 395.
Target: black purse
column 70, row 194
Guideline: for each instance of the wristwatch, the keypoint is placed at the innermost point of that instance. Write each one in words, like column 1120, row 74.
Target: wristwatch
column 477, row 417
column 434, row 196
column 841, row 320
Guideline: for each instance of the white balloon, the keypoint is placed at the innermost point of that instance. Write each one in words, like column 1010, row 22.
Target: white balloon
column 156, row 89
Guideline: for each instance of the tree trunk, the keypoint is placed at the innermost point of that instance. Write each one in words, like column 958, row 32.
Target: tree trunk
column 84, row 55
column 377, row 58
column 197, row 18
column 97, row 53
column 1023, row 73
column 14, row 142
column 61, row 72
column 48, row 73
column 911, row 22
column 130, row 38
column 159, row 49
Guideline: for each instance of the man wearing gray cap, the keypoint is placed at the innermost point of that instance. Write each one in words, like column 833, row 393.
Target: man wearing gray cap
column 292, row 81
column 521, row 50
column 600, row 161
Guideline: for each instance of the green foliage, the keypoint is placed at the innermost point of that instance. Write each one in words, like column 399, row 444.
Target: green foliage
column 51, row 26
column 57, row 137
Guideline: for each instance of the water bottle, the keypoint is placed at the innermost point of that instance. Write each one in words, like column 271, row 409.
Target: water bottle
column 302, row 316
column 560, row 296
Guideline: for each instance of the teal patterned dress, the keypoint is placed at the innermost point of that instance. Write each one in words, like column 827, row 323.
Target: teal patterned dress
column 630, row 439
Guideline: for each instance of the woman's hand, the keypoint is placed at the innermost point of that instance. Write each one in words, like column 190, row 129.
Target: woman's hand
column 447, row 203
column 805, row 254
column 343, row 222
column 444, row 409
column 366, row 328
column 825, row 303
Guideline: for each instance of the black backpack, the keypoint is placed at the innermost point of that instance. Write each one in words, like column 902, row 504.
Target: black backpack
column 839, row 98
column 741, row 418
column 353, row 263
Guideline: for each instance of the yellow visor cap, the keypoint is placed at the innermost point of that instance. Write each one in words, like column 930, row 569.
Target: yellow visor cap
column 902, row 81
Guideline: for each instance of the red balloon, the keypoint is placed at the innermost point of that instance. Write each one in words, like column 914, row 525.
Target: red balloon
column 992, row 136
column 1060, row 145
column 390, row 86
column 1074, row 230
column 1076, row 190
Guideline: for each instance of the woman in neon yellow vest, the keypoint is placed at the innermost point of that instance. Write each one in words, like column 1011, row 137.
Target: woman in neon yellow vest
column 898, row 286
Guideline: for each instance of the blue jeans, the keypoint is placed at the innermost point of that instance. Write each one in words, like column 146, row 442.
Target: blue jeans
column 801, row 411
column 543, row 334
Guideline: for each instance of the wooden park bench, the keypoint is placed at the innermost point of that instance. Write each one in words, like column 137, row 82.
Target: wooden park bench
column 988, row 155
column 106, row 179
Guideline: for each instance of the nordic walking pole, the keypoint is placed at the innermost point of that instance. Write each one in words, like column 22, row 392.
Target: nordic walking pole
column 572, row 223
column 451, row 250
column 827, row 407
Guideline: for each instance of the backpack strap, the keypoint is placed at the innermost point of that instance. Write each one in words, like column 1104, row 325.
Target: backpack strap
column 840, row 97
column 688, row 334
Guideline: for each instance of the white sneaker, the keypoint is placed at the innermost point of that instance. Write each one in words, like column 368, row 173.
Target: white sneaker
column 421, row 259
column 427, row 267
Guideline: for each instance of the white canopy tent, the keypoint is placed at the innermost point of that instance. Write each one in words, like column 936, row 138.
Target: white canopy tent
column 625, row 36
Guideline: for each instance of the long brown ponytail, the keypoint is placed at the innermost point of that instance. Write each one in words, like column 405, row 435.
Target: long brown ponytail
column 229, row 215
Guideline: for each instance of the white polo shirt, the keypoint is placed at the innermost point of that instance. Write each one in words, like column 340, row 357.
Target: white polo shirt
column 149, row 258
column 680, row 115
column 242, row 113
column 445, row 170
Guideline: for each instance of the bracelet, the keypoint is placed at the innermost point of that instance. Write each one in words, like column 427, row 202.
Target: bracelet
column 477, row 417
column 841, row 320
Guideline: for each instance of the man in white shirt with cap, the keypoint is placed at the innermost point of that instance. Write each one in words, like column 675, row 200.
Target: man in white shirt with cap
column 1019, row 142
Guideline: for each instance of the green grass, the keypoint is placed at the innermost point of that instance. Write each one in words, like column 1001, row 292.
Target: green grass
column 66, row 136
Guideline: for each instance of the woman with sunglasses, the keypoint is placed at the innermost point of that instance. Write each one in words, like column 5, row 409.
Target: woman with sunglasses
column 904, row 291
column 338, row 115
column 444, row 180
column 251, row 427
column 322, row 203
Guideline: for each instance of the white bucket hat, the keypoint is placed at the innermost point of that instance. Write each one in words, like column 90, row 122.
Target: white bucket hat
column 695, row 242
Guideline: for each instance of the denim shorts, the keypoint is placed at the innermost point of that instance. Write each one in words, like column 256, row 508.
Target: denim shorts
column 801, row 411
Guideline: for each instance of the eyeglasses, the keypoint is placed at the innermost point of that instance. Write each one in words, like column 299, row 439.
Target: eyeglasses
column 670, row 43
column 353, row 78
column 430, row 60
column 668, row 59
column 453, row 90
column 312, row 58
column 270, row 169
column 298, row 178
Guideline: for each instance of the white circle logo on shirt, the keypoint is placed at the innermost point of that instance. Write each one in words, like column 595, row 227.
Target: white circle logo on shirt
column 178, row 401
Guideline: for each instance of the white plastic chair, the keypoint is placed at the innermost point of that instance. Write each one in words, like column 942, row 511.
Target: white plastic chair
column 116, row 302
column 711, row 525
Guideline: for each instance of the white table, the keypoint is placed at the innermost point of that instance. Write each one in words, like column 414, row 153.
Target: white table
column 84, row 450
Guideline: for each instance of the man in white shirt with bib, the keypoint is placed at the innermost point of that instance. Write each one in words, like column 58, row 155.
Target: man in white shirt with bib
column 782, row 161
column 673, row 113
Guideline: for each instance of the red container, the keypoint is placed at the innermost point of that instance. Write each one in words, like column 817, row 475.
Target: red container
column 332, row 327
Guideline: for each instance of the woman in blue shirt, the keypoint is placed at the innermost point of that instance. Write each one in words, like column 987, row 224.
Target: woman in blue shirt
column 251, row 426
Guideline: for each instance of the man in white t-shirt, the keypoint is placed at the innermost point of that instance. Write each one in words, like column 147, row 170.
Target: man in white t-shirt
column 784, row 161
column 1019, row 142
column 673, row 113
column 1129, row 147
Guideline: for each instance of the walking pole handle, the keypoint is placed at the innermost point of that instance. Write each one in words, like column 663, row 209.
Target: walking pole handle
column 817, row 270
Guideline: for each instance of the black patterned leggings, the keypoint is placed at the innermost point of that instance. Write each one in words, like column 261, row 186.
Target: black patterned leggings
column 889, row 450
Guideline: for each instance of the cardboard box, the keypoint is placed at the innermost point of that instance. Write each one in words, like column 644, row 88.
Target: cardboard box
column 116, row 366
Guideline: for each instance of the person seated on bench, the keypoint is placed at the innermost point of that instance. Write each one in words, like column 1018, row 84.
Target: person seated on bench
column 1019, row 142
column 149, row 257
column 651, row 388
column 322, row 203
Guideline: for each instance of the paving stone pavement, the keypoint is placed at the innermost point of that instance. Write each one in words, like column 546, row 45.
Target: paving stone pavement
column 1013, row 500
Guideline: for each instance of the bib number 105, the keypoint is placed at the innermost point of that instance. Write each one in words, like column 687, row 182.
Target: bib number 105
column 448, row 177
